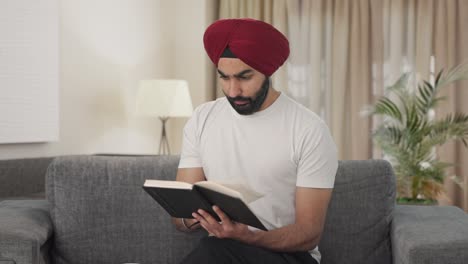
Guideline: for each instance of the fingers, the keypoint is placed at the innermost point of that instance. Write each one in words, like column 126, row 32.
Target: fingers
column 206, row 221
column 207, row 217
column 226, row 229
column 210, row 219
column 210, row 224
column 224, row 218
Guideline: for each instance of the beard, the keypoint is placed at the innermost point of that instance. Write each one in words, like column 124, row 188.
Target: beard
column 251, row 104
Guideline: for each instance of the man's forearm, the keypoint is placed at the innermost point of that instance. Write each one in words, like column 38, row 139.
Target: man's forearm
column 290, row 238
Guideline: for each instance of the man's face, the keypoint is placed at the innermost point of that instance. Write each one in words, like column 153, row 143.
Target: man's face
column 245, row 88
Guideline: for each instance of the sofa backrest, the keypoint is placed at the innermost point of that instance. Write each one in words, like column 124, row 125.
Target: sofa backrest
column 357, row 228
column 101, row 214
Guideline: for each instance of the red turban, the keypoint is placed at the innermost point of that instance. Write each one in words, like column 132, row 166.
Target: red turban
column 256, row 43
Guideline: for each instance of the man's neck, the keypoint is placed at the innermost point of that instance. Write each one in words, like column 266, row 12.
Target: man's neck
column 271, row 98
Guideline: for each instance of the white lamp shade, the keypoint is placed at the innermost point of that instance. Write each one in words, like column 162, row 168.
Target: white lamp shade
column 164, row 98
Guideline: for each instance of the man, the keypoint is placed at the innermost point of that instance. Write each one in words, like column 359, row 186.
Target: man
column 260, row 138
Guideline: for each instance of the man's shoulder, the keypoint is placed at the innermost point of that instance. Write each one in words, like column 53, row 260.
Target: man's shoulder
column 305, row 122
column 303, row 114
column 204, row 110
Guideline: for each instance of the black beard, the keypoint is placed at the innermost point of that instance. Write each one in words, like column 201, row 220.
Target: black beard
column 252, row 105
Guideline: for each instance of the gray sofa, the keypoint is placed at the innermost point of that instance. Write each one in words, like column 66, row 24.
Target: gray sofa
column 97, row 212
column 23, row 178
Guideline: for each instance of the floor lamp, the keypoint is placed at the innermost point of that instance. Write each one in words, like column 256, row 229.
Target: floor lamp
column 164, row 99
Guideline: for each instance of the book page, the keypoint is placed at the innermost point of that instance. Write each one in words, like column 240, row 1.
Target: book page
column 235, row 190
column 248, row 194
column 168, row 184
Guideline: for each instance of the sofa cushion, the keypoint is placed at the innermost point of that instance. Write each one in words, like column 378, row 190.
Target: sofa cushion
column 25, row 231
column 429, row 235
column 359, row 217
column 102, row 215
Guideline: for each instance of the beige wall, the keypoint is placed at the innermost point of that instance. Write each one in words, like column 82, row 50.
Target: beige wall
column 192, row 62
column 106, row 47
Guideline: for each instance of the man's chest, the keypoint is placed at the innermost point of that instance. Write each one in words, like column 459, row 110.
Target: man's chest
column 253, row 155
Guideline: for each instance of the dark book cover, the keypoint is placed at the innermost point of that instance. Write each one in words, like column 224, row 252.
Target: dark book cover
column 181, row 203
column 233, row 207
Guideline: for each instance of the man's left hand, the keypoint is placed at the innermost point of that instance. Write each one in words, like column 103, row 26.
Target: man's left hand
column 224, row 229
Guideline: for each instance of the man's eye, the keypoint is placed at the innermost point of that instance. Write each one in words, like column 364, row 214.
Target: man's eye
column 223, row 77
column 244, row 77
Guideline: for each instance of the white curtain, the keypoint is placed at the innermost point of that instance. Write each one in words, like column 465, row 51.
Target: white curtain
column 330, row 68
column 343, row 54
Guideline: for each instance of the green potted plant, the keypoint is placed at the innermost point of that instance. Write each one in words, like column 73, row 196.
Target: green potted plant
column 409, row 133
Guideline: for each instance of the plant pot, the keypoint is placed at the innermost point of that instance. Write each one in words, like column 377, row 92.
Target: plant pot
column 411, row 201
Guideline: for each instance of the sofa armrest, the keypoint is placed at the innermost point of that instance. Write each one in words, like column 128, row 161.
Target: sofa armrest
column 429, row 234
column 25, row 231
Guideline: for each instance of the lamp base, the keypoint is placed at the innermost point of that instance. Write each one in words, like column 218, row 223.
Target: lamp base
column 164, row 143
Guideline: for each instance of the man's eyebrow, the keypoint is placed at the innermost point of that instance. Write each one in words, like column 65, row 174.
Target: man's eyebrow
column 221, row 73
column 237, row 74
column 244, row 72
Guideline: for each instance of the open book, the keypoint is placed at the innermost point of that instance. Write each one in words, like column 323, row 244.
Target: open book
column 181, row 199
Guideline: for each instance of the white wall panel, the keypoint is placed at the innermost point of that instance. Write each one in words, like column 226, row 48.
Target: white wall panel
column 29, row 73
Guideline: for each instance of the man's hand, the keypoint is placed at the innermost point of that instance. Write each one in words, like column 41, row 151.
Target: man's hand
column 302, row 235
column 226, row 229
column 190, row 175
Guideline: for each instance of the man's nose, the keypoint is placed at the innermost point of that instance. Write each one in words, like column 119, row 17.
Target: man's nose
column 234, row 88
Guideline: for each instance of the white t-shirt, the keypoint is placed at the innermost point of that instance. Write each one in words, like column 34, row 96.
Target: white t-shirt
column 272, row 152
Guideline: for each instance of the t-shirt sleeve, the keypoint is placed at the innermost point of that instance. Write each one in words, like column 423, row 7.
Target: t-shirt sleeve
column 190, row 155
column 317, row 159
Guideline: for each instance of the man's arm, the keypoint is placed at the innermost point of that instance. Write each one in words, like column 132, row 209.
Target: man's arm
column 303, row 235
column 190, row 175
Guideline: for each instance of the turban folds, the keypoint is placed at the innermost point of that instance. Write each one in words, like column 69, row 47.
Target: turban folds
column 256, row 43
